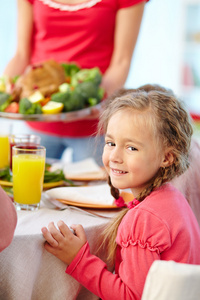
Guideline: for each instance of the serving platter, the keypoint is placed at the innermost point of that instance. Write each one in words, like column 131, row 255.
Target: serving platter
column 68, row 116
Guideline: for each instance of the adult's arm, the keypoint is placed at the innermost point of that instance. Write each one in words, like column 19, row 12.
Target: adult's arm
column 8, row 220
column 128, row 23
column 21, row 59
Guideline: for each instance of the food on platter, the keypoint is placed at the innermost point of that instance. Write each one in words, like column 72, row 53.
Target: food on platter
column 51, row 88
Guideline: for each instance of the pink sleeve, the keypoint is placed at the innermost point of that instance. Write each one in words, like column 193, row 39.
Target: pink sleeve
column 128, row 3
column 139, row 247
column 92, row 273
column 8, row 220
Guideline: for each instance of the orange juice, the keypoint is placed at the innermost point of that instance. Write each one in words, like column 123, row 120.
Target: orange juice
column 28, row 176
column 4, row 151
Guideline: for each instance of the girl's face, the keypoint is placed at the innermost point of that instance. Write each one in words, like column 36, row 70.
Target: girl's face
column 131, row 155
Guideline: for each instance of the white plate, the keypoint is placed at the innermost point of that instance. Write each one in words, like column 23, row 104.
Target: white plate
column 95, row 196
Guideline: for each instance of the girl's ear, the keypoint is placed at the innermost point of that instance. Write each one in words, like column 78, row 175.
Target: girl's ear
column 168, row 159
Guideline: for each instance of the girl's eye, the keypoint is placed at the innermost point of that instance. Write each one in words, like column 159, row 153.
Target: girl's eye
column 132, row 148
column 110, row 144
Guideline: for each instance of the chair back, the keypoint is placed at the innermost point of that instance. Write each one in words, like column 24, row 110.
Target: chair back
column 168, row 280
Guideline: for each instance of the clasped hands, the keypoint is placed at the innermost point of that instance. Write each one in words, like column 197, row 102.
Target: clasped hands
column 61, row 242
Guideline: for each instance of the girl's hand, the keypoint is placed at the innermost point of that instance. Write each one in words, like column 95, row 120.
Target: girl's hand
column 63, row 243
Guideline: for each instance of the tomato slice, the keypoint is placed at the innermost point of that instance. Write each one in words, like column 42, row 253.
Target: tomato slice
column 45, row 101
column 12, row 108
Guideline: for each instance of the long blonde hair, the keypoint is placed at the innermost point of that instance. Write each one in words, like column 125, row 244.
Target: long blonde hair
column 172, row 128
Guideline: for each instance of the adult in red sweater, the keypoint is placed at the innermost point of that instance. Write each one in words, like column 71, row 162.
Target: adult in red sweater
column 147, row 143
column 8, row 220
column 94, row 33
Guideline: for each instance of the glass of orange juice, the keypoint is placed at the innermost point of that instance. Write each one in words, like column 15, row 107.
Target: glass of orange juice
column 28, row 167
column 4, row 146
column 27, row 140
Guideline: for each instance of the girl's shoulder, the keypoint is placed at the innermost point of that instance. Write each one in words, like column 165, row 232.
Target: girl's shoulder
column 153, row 222
column 144, row 228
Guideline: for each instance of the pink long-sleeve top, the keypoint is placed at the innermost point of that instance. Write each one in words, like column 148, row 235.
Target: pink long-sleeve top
column 8, row 220
column 162, row 227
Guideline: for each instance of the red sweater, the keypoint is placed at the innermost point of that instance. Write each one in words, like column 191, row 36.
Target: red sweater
column 8, row 220
column 69, row 33
column 162, row 227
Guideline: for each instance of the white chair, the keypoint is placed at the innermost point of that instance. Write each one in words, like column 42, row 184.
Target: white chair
column 168, row 280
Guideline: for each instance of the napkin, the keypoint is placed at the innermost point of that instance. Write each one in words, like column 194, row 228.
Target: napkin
column 84, row 169
column 95, row 194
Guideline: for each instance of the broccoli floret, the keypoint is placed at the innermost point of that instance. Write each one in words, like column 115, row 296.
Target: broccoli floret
column 37, row 108
column 5, row 100
column 86, row 75
column 71, row 100
column 75, row 101
column 70, row 69
column 24, row 105
column 92, row 101
column 28, row 108
column 88, row 90
column 95, row 76
column 62, row 98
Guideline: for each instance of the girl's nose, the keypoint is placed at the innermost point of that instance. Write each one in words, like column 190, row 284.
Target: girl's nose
column 116, row 155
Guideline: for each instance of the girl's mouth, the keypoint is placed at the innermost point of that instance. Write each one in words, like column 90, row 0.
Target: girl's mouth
column 118, row 172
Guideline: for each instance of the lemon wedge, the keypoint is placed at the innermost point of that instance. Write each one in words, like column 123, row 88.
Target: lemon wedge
column 2, row 85
column 36, row 97
column 52, row 107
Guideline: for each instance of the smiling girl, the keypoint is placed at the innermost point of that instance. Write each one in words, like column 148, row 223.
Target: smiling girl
column 147, row 142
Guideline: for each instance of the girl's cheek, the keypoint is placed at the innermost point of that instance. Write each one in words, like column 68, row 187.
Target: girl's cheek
column 105, row 158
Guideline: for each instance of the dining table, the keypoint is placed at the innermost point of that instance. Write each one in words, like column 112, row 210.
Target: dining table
column 28, row 271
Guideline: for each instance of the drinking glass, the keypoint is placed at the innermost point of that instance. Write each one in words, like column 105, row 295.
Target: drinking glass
column 28, row 176
column 25, row 140
column 4, row 146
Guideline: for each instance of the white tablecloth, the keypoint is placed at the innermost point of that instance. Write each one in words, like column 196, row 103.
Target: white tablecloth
column 28, row 271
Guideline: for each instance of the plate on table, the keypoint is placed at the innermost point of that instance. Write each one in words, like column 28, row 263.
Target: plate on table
column 96, row 176
column 68, row 116
column 95, row 196
column 6, row 183
column 84, row 170
column 47, row 185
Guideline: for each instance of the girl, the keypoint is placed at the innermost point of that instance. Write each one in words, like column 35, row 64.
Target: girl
column 147, row 142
